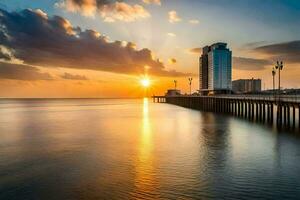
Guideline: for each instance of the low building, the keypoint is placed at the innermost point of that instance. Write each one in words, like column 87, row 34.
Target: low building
column 246, row 86
column 173, row 92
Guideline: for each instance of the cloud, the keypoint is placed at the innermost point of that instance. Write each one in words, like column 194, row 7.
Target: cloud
column 123, row 12
column 172, row 61
column 251, row 64
column 5, row 56
column 171, row 34
column 85, row 7
column 54, row 42
column 109, row 10
column 73, row 76
column 287, row 51
column 254, row 44
column 194, row 21
column 157, row 2
column 21, row 72
column 173, row 17
column 197, row 50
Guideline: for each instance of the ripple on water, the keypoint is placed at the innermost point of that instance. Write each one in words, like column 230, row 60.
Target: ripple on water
column 134, row 149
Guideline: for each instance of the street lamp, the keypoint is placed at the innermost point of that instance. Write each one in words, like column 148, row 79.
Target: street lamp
column 175, row 84
column 190, row 83
column 279, row 66
column 273, row 74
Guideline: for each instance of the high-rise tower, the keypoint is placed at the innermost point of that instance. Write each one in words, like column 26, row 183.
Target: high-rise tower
column 215, row 69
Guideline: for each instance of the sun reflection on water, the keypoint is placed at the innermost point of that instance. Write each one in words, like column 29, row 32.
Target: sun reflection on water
column 145, row 180
column 146, row 140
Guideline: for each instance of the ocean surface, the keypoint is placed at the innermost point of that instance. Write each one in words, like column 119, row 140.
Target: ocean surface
column 136, row 149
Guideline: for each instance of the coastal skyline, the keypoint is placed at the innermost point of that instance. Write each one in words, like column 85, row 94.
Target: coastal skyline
column 89, row 48
column 149, row 99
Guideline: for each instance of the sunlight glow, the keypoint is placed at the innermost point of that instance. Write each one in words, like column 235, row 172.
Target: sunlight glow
column 145, row 82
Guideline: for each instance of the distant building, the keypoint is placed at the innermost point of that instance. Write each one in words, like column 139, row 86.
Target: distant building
column 215, row 68
column 173, row 92
column 246, row 85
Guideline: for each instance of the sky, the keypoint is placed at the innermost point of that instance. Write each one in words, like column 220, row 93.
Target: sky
column 103, row 48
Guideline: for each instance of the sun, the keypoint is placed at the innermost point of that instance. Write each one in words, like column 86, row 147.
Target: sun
column 145, row 82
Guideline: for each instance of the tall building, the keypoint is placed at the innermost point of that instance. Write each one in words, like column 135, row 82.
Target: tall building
column 215, row 69
column 246, row 85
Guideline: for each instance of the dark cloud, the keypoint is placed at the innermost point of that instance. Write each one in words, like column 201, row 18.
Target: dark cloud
column 250, row 64
column 254, row 44
column 197, row 50
column 98, row 3
column 288, row 51
column 21, row 72
column 73, row 76
column 54, row 42
column 172, row 61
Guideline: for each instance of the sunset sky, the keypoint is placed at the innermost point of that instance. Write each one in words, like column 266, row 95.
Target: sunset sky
column 103, row 48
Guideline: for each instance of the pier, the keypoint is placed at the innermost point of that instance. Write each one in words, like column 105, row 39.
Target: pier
column 282, row 111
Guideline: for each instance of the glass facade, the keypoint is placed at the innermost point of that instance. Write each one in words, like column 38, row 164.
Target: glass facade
column 218, row 73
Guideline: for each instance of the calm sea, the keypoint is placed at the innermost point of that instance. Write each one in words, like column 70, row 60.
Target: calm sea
column 135, row 149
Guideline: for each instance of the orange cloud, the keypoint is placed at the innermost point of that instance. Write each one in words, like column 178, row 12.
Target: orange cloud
column 69, row 76
column 197, row 50
column 109, row 11
column 157, row 2
column 123, row 12
column 172, row 61
column 85, row 7
column 22, row 72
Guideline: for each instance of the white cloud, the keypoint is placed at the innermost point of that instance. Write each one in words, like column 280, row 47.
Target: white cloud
column 194, row 21
column 171, row 34
column 173, row 17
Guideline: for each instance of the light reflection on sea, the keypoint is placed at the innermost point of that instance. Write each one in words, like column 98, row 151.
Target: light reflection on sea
column 135, row 149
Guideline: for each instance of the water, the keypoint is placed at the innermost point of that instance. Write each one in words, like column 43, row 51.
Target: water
column 135, row 149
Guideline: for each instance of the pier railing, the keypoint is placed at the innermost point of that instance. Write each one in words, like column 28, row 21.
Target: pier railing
column 281, row 110
column 284, row 98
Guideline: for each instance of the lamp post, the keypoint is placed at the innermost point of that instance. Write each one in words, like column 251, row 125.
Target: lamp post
column 273, row 74
column 190, row 83
column 175, row 84
column 279, row 66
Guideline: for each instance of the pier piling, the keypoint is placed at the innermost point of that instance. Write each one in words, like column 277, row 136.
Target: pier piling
column 252, row 108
